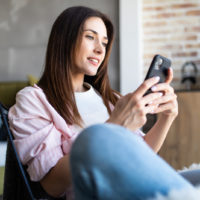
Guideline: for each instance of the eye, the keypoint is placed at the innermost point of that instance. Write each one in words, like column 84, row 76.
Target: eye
column 90, row 37
column 104, row 44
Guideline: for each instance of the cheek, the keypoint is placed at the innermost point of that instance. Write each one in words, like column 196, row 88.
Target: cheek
column 80, row 54
column 87, row 45
column 82, row 47
column 103, row 57
column 84, row 51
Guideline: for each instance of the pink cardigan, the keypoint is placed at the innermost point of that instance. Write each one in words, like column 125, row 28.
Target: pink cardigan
column 42, row 136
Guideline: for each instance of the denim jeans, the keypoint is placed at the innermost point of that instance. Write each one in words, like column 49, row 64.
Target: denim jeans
column 193, row 176
column 108, row 162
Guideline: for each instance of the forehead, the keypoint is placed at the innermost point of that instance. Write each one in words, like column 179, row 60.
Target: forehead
column 96, row 24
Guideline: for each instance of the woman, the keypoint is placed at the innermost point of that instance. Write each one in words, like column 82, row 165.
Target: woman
column 74, row 93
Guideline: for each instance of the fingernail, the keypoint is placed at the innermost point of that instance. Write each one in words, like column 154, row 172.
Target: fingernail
column 152, row 111
column 153, row 88
column 160, row 94
column 157, row 78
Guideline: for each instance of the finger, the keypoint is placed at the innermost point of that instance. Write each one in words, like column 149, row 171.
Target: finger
column 164, row 107
column 150, row 98
column 151, row 109
column 169, row 75
column 165, row 99
column 147, row 84
column 163, row 87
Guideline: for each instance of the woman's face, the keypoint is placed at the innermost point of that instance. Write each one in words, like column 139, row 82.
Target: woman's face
column 91, row 52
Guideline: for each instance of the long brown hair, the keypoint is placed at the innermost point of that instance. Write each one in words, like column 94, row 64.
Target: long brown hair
column 56, row 79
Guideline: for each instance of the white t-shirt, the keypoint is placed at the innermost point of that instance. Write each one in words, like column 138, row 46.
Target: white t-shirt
column 91, row 108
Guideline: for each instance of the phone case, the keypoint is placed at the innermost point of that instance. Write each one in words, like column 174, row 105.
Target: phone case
column 159, row 67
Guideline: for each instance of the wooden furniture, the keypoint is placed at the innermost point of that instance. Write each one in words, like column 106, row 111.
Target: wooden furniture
column 182, row 145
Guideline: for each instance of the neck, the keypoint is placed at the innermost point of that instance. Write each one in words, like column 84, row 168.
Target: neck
column 77, row 82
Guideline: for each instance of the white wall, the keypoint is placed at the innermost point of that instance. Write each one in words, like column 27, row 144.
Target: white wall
column 130, row 45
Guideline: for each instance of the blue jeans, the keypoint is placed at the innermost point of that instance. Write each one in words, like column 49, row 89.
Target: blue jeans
column 108, row 162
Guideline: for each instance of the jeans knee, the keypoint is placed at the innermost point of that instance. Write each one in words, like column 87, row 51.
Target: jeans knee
column 88, row 139
column 102, row 141
column 91, row 142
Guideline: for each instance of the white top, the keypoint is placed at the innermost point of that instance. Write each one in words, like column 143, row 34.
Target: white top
column 91, row 108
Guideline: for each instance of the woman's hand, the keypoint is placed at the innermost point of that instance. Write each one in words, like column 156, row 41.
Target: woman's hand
column 167, row 104
column 130, row 111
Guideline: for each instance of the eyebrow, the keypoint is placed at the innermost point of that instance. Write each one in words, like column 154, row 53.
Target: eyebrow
column 95, row 33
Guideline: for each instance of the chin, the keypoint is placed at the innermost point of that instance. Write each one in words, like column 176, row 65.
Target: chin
column 91, row 73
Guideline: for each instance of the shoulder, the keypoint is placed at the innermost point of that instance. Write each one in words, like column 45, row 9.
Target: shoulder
column 29, row 101
column 31, row 95
column 30, row 91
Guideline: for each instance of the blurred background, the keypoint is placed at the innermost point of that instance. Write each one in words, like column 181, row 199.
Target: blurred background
column 168, row 27
column 24, row 30
column 172, row 28
column 143, row 28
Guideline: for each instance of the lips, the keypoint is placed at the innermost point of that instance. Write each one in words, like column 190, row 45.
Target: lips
column 93, row 60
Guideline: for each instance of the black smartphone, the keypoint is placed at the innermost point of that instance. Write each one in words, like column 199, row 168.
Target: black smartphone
column 159, row 67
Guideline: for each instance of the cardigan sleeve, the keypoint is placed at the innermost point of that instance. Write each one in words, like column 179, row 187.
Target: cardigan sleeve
column 36, row 127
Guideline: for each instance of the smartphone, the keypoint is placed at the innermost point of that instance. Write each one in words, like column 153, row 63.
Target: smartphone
column 159, row 67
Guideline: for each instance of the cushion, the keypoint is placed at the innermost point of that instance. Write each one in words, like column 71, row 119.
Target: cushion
column 1, row 179
column 32, row 79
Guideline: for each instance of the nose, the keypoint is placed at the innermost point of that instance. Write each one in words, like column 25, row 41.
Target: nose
column 98, row 47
